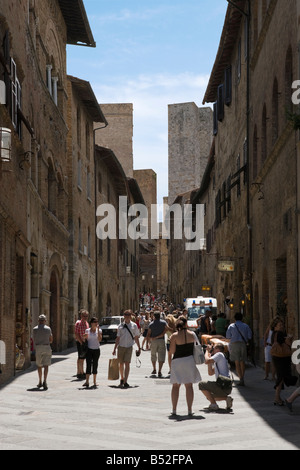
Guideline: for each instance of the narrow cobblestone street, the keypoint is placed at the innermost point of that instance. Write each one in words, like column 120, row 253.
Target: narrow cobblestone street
column 69, row 417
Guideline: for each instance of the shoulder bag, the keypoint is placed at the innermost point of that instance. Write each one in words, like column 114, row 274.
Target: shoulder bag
column 225, row 383
column 198, row 352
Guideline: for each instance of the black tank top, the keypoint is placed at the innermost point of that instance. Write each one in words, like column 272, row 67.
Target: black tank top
column 184, row 350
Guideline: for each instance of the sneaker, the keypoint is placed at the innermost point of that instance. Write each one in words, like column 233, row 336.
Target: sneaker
column 121, row 383
column 126, row 385
column 45, row 385
column 213, row 407
column 229, row 401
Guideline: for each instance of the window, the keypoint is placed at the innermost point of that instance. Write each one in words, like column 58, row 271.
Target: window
column 228, row 86
column 215, row 119
column 15, row 97
column 220, row 102
column 51, row 81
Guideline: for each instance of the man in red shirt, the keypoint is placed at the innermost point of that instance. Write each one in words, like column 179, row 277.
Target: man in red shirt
column 80, row 328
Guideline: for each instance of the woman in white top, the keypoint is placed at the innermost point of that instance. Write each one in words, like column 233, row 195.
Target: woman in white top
column 93, row 335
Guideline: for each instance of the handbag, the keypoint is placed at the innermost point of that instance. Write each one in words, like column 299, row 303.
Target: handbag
column 198, row 353
column 113, row 369
column 280, row 350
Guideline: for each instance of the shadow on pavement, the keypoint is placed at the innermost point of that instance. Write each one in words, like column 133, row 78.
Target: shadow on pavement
column 260, row 393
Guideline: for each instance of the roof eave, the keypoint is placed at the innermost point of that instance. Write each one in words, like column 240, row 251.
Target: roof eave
column 228, row 38
column 78, row 28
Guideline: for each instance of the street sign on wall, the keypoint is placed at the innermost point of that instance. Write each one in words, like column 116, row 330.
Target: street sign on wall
column 226, row 266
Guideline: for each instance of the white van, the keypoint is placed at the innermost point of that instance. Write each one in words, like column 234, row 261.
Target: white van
column 196, row 307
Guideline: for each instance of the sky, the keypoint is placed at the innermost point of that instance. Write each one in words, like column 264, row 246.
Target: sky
column 151, row 53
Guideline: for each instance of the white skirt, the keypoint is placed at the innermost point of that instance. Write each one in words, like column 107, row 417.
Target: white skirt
column 184, row 371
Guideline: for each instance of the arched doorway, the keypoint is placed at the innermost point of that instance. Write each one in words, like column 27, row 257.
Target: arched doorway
column 54, row 320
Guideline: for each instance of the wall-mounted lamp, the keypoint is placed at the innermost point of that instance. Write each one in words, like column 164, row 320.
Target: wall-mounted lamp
column 231, row 304
column 5, row 144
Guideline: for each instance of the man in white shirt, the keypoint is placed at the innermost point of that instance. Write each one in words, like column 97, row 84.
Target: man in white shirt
column 218, row 366
column 128, row 334
column 42, row 338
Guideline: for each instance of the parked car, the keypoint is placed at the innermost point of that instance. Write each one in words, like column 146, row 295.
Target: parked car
column 109, row 327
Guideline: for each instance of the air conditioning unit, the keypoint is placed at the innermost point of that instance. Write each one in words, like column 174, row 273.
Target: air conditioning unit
column 2, row 92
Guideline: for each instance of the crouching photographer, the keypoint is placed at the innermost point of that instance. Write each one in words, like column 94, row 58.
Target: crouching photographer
column 221, row 388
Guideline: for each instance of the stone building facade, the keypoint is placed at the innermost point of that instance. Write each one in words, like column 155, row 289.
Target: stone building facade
column 117, row 257
column 228, row 237
column 274, row 166
column 255, row 175
column 118, row 135
column 83, row 112
column 34, row 192
column 190, row 139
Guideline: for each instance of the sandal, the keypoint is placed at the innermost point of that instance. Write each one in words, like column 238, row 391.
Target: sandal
column 278, row 403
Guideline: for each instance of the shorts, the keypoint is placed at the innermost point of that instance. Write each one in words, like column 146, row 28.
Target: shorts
column 268, row 357
column 43, row 355
column 82, row 350
column 124, row 354
column 238, row 351
column 158, row 350
column 215, row 390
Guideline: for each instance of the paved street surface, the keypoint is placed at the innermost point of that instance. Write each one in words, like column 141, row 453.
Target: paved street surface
column 67, row 416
